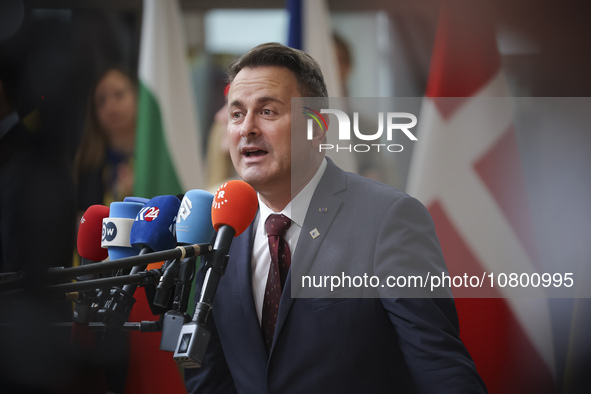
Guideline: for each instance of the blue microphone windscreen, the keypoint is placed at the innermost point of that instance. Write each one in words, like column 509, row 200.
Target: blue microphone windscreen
column 193, row 223
column 154, row 225
column 120, row 252
column 141, row 200
column 127, row 210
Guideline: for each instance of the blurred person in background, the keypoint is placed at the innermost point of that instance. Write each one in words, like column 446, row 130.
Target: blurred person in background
column 345, row 61
column 104, row 174
column 370, row 165
column 103, row 163
column 219, row 163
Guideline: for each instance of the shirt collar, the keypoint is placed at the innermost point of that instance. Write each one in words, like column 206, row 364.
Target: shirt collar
column 298, row 206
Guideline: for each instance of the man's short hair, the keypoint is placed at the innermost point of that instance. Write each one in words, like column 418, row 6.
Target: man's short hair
column 306, row 70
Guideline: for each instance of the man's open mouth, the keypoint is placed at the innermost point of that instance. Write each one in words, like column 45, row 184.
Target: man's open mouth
column 254, row 152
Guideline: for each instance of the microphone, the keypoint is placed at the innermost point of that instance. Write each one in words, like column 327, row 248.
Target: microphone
column 234, row 208
column 193, row 225
column 141, row 200
column 90, row 232
column 115, row 238
column 152, row 229
column 117, row 228
column 88, row 243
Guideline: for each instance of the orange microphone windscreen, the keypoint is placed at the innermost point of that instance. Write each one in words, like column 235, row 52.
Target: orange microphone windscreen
column 235, row 204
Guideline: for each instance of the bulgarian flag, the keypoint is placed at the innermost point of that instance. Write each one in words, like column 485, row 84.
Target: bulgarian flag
column 167, row 159
column 166, row 162
column 466, row 169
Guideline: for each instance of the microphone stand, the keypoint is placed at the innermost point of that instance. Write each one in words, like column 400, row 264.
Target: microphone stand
column 114, row 304
column 59, row 273
column 142, row 278
column 142, row 326
column 182, row 275
column 14, row 282
column 194, row 336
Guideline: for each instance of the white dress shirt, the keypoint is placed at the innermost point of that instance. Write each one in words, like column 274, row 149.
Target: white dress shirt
column 261, row 257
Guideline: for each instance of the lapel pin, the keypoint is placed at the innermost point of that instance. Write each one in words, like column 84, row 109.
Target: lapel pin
column 322, row 209
column 314, row 233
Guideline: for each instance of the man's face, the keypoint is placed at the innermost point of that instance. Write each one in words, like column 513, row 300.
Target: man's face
column 259, row 128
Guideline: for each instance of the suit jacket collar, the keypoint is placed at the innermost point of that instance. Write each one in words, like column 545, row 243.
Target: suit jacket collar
column 243, row 245
column 323, row 208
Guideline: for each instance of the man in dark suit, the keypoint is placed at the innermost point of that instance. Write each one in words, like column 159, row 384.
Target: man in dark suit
column 358, row 339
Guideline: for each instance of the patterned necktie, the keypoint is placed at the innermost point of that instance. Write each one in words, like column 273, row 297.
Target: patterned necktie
column 276, row 226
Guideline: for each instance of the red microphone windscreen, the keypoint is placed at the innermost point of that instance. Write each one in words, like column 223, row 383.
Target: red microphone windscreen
column 235, row 204
column 90, row 233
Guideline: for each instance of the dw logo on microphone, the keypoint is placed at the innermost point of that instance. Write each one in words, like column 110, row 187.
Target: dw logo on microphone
column 109, row 231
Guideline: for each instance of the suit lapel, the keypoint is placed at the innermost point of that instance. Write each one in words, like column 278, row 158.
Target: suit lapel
column 239, row 266
column 323, row 208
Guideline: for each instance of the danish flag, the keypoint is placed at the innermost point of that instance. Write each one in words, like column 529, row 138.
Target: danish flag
column 466, row 169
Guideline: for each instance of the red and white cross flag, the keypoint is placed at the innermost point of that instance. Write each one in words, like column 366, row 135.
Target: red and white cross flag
column 467, row 171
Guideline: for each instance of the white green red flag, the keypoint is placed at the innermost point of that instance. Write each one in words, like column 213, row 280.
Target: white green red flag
column 167, row 159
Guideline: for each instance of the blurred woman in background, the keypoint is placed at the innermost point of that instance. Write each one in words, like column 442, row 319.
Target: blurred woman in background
column 103, row 173
column 132, row 361
column 104, row 161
